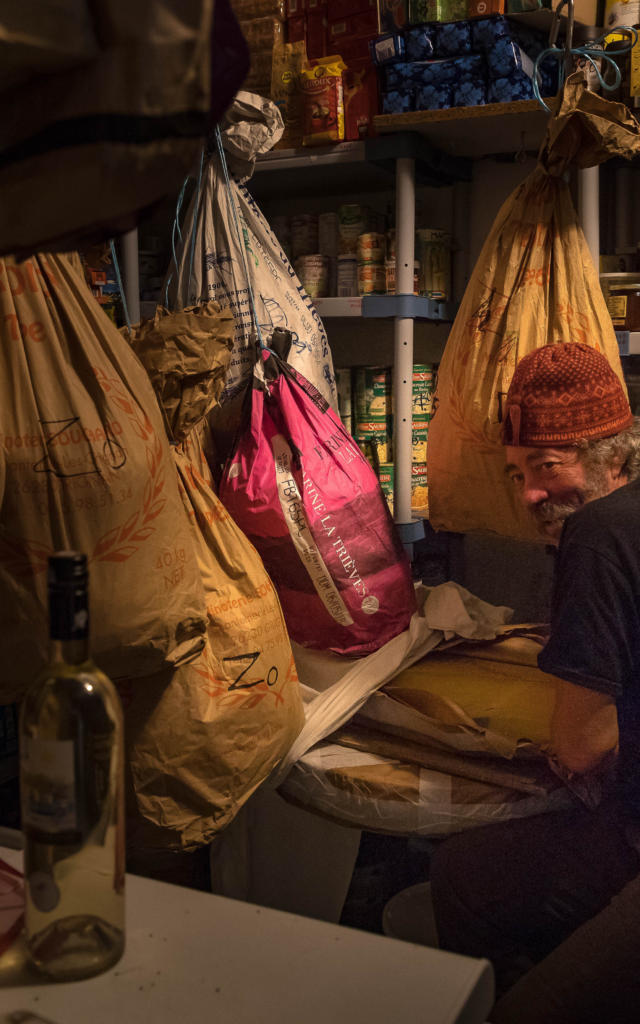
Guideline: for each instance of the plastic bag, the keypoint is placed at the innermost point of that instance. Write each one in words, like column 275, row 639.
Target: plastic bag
column 202, row 739
column 534, row 284
column 85, row 465
column 304, row 494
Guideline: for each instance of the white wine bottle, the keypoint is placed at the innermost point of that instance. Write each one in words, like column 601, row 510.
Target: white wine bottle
column 72, row 794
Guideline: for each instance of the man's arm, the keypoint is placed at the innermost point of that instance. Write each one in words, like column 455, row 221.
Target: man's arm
column 584, row 728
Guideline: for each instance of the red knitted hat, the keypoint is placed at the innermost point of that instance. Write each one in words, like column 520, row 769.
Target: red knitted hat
column 561, row 393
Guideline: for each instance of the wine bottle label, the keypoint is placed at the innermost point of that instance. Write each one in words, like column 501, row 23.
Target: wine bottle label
column 49, row 799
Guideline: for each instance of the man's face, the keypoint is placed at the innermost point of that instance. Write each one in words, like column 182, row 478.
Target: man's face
column 552, row 483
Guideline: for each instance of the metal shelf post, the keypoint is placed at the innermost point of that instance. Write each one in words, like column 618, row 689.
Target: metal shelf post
column 403, row 337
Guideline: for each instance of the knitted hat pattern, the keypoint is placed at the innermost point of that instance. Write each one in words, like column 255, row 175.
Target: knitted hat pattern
column 561, row 393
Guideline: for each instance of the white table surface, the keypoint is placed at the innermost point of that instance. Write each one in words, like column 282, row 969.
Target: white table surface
column 194, row 957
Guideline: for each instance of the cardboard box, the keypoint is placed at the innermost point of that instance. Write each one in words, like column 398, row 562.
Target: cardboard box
column 352, row 49
column 483, row 8
column 337, row 9
column 296, row 28
column 316, row 34
column 360, row 99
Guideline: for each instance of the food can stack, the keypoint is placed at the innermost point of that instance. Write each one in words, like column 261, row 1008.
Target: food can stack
column 371, row 263
column 353, row 221
column 421, row 402
column 313, row 271
column 386, row 475
column 372, row 387
column 434, row 257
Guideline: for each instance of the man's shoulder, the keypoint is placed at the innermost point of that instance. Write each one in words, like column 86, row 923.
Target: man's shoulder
column 615, row 513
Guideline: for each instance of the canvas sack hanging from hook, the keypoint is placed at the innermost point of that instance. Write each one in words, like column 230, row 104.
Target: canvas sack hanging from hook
column 534, row 284
column 236, row 254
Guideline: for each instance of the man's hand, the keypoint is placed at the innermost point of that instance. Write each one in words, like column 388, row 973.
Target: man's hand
column 584, row 729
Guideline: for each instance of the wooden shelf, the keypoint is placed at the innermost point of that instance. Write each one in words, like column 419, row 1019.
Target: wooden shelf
column 474, row 131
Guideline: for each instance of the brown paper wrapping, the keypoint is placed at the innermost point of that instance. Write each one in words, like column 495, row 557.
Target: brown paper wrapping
column 534, row 284
column 85, row 464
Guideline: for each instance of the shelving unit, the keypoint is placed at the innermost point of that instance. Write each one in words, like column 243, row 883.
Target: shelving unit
column 381, row 307
column 474, row 132
column 400, row 160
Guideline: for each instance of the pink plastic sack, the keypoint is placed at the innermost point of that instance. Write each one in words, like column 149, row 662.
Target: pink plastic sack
column 301, row 490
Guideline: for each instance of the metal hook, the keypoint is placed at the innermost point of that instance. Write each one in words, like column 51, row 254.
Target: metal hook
column 568, row 38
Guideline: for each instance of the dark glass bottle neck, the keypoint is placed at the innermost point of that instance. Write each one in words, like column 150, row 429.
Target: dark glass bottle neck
column 69, row 623
column 71, row 652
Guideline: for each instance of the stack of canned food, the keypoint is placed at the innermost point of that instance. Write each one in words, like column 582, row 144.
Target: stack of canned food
column 350, row 252
column 365, row 397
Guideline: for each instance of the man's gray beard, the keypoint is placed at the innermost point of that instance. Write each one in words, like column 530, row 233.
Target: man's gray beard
column 549, row 512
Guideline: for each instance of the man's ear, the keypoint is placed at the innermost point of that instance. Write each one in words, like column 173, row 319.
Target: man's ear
column 619, row 469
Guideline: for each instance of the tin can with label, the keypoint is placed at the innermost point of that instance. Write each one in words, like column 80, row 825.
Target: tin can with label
column 386, row 476
column 375, row 432
column 353, row 221
column 390, row 276
column 347, row 276
column 381, row 404
column 419, row 490
column 313, row 272
column 371, row 279
column 422, row 389
column 371, row 248
column 369, row 382
column 434, row 253
column 419, row 432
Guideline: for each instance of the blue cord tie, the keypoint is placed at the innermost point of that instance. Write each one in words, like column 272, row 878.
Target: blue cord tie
column 225, row 169
column 116, row 267
column 196, row 204
column 592, row 53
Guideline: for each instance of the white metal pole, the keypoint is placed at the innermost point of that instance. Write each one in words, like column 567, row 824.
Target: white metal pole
column 131, row 274
column 403, row 336
column 589, row 209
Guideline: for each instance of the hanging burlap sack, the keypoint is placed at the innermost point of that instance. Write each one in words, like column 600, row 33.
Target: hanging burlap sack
column 202, row 738
column 534, row 284
column 85, row 464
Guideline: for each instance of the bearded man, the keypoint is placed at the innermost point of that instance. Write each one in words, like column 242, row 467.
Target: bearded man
column 554, row 900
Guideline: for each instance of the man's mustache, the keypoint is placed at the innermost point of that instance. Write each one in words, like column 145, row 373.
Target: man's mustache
column 553, row 512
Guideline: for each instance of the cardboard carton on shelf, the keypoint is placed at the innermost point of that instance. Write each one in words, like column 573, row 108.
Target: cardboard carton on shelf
column 360, row 98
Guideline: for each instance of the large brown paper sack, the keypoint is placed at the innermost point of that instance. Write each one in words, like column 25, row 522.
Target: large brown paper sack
column 105, row 107
column 85, row 464
column 203, row 739
column 534, row 284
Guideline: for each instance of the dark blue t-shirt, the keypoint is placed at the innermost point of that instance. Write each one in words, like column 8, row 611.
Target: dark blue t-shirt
column 595, row 617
